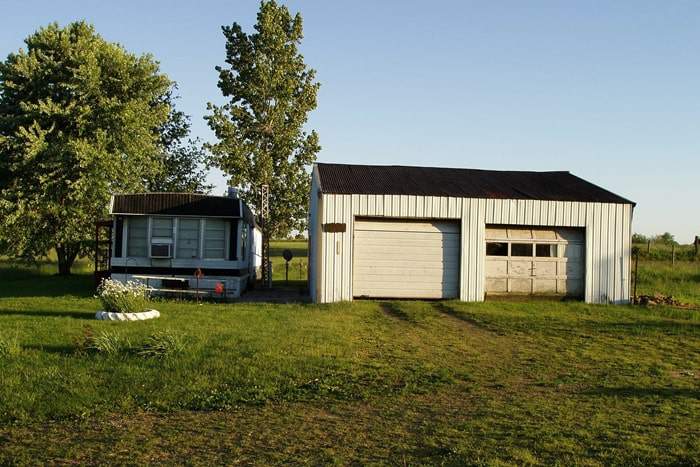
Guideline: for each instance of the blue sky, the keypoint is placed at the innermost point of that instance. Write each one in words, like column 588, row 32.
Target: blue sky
column 606, row 90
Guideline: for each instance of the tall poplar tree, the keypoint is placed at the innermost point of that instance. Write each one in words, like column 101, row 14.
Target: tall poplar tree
column 80, row 119
column 260, row 130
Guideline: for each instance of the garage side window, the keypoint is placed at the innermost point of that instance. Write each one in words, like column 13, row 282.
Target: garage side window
column 496, row 249
column 214, row 239
column 137, row 237
column 521, row 249
column 546, row 251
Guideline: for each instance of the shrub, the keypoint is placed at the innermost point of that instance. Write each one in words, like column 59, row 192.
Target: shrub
column 119, row 297
column 108, row 343
column 161, row 344
column 9, row 346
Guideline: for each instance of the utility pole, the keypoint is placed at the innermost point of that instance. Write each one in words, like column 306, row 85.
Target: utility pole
column 264, row 219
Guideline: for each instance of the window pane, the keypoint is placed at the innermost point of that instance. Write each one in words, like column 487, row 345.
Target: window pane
column 214, row 239
column 188, row 238
column 496, row 249
column 521, row 249
column 136, row 236
column 162, row 228
column 546, row 251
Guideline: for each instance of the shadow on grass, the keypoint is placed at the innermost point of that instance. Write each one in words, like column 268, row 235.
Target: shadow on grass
column 49, row 314
column 669, row 327
column 39, row 285
column 631, row 391
column 52, row 349
column 446, row 309
column 393, row 310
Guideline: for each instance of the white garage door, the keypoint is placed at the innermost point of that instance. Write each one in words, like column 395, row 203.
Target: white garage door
column 521, row 260
column 406, row 259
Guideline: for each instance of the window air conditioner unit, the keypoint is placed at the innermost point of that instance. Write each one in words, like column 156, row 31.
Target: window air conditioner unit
column 161, row 250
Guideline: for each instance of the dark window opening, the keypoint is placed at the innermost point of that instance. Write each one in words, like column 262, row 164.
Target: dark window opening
column 546, row 251
column 496, row 249
column 521, row 249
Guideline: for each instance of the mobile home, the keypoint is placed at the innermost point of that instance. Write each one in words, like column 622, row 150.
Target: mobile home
column 185, row 241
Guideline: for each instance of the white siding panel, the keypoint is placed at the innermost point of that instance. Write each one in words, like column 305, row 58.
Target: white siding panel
column 607, row 255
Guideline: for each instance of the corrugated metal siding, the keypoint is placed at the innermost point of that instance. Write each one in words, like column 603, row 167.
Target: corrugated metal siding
column 608, row 235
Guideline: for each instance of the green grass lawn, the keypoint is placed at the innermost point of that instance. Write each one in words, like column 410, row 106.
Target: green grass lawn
column 365, row 382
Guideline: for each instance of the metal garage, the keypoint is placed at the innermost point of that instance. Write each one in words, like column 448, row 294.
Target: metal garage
column 535, row 260
column 375, row 231
column 405, row 259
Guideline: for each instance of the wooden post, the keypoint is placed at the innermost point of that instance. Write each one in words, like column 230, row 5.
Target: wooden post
column 673, row 255
column 648, row 247
column 636, row 276
column 697, row 244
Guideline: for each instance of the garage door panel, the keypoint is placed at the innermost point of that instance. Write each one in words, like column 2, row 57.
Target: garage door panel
column 535, row 260
column 383, row 226
column 520, row 268
column 545, row 285
column 393, row 270
column 520, row 285
column 497, row 268
column 545, row 268
column 402, row 251
column 406, row 259
column 497, row 285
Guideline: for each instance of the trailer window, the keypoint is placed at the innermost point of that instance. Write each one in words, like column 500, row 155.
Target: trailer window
column 214, row 239
column 136, row 238
column 188, row 238
column 162, row 229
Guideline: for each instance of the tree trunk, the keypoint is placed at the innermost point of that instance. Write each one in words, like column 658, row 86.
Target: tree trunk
column 66, row 257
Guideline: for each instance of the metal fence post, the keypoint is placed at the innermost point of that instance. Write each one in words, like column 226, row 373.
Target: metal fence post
column 635, row 252
column 673, row 255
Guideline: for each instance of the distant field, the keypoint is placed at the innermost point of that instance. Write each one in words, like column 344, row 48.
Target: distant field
column 664, row 252
column 298, row 266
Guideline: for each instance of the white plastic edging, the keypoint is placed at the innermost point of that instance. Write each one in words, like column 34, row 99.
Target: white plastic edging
column 107, row 316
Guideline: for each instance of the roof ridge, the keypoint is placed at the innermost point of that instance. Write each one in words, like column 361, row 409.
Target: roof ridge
column 440, row 168
column 560, row 185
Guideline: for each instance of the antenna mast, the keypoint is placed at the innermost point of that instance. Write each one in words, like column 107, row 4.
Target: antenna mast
column 264, row 218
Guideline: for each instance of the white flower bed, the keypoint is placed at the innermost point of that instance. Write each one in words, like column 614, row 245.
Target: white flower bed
column 124, row 301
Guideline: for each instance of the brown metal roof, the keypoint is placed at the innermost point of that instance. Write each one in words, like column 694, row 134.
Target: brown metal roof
column 462, row 183
column 184, row 204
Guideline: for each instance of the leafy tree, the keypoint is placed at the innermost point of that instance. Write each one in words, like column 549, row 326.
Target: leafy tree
column 184, row 159
column 639, row 238
column 260, row 131
column 666, row 238
column 79, row 120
